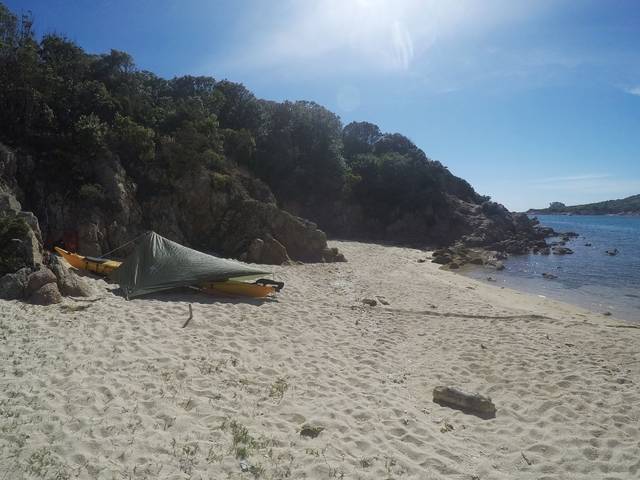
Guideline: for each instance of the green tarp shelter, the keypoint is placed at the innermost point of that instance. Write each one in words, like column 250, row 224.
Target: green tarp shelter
column 159, row 264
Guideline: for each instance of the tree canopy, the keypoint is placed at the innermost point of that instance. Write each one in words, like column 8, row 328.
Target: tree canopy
column 71, row 109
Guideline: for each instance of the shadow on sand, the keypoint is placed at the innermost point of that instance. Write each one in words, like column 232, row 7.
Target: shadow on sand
column 195, row 296
column 185, row 294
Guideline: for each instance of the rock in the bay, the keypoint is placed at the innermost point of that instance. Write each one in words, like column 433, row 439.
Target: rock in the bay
column 562, row 250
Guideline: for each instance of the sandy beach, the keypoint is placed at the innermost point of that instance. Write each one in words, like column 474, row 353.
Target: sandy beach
column 315, row 384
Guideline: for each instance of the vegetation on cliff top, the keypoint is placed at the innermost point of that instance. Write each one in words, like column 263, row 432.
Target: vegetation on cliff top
column 629, row 205
column 68, row 109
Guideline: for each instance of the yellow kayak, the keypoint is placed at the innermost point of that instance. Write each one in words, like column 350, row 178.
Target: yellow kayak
column 232, row 287
column 101, row 266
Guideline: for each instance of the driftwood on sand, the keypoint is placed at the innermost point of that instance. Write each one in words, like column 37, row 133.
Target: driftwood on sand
column 474, row 403
column 190, row 316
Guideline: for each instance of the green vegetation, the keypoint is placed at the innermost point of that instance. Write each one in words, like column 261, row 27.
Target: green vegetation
column 70, row 110
column 629, row 205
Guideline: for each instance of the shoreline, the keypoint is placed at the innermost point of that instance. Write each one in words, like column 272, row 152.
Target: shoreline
column 315, row 384
column 555, row 292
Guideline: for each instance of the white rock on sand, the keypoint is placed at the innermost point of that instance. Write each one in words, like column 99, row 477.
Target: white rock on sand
column 112, row 389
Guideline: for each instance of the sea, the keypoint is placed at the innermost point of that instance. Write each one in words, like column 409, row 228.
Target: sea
column 589, row 277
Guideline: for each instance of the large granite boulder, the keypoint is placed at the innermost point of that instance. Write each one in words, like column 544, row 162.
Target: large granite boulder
column 69, row 282
column 38, row 279
column 47, row 294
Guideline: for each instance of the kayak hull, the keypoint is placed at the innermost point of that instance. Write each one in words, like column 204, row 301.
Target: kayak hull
column 104, row 267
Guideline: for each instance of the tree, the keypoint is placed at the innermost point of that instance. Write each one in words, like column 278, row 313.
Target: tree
column 359, row 138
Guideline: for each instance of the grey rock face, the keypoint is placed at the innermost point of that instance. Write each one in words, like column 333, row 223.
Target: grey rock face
column 13, row 285
column 273, row 252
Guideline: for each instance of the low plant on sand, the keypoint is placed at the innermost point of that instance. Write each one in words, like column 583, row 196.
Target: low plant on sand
column 42, row 463
column 278, row 389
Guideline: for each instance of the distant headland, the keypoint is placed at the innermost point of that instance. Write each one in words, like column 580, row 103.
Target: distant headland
column 624, row 206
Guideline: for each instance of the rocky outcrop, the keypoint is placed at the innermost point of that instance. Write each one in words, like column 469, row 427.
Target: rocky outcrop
column 495, row 233
column 211, row 211
column 458, row 255
column 20, row 238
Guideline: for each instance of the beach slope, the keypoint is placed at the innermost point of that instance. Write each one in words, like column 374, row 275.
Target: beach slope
column 317, row 384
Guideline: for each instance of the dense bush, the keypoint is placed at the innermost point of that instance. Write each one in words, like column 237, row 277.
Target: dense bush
column 72, row 109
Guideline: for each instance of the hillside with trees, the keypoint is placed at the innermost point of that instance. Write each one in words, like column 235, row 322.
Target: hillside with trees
column 100, row 151
column 623, row 206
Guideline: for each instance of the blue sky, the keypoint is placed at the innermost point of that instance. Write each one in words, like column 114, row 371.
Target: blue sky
column 531, row 102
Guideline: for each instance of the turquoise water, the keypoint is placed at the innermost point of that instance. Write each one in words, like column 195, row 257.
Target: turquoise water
column 589, row 278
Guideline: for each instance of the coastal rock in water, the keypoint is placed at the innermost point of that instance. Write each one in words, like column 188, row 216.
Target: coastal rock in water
column 467, row 402
column 70, row 283
column 38, row 279
column 562, row 251
column 47, row 294
column 13, row 285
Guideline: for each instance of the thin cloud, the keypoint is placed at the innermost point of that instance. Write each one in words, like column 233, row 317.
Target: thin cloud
column 572, row 178
column 606, row 186
column 634, row 90
column 340, row 36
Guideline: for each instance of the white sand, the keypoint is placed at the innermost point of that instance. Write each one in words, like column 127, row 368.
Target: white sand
column 119, row 390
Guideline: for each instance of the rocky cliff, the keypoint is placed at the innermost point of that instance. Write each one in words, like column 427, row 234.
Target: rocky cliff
column 101, row 151
column 207, row 210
